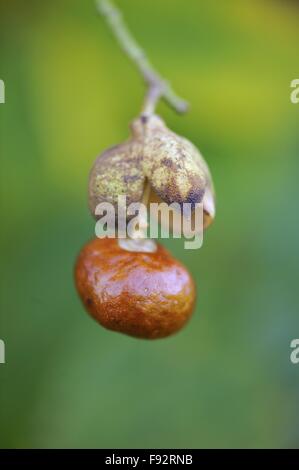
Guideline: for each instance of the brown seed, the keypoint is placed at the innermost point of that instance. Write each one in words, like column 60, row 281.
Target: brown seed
column 146, row 295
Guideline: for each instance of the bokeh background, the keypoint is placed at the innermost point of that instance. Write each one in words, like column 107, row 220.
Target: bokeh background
column 226, row 380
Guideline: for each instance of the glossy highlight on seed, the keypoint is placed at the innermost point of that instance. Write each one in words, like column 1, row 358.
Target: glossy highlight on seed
column 146, row 295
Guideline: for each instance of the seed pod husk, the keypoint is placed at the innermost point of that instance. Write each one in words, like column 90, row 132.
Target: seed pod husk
column 172, row 165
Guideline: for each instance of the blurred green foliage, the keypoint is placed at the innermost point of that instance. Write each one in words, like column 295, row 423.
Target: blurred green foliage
column 226, row 380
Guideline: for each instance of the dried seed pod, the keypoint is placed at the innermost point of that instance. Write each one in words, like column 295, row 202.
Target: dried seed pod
column 146, row 295
column 174, row 167
column 117, row 171
column 171, row 164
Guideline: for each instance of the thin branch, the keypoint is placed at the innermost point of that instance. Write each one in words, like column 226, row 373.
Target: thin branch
column 158, row 87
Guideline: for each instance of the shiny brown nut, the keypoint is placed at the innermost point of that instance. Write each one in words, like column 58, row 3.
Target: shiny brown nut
column 146, row 295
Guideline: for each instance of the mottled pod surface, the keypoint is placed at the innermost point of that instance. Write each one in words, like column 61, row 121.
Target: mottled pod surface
column 173, row 166
column 146, row 295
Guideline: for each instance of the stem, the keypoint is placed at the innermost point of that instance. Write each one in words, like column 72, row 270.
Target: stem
column 157, row 86
column 138, row 243
column 151, row 99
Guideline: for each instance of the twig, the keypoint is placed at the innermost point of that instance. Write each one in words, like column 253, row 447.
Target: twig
column 157, row 86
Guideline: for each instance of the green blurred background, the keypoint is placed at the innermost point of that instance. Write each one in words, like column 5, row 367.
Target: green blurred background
column 226, row 380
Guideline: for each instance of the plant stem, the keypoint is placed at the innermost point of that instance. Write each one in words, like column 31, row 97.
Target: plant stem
column 157, row 87
column 139, row 242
